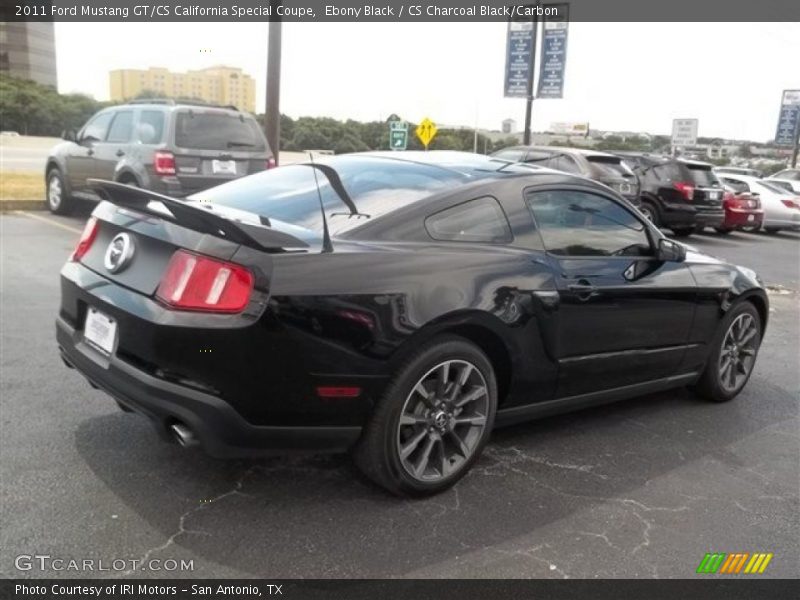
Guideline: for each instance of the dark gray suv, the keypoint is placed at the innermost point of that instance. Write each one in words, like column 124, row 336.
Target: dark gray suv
column 173, row 149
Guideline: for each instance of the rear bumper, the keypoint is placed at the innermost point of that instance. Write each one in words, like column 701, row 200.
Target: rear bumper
column 710, row 218
column 736, row 217
column 221, row 431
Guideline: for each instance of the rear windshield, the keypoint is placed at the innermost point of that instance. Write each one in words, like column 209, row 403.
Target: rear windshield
column 289, row 194
column 205, row 130
column 609, row 166
column 703, row 176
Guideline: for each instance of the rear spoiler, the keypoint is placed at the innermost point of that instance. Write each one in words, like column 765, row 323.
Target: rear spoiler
column 194, row 216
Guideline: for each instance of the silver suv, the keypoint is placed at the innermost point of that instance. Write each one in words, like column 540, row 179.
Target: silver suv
column 172, row 148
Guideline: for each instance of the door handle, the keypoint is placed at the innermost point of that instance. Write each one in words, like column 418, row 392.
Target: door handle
column 90, row 152
column 120, row 153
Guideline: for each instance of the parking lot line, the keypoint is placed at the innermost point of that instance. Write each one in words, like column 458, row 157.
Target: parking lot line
column 48, row 221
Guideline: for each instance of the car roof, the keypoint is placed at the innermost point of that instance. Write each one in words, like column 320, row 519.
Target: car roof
column 468, row 164
column 564, row 150
column 170, row 104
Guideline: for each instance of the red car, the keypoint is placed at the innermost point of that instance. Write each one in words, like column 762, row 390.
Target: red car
column 742, row 211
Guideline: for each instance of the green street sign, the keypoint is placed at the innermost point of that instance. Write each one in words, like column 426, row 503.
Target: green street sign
column 398, row 135
column 398, row 139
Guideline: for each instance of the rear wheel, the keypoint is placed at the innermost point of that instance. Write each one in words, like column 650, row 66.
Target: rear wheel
column 772, row 230
column 723, row 230
column 649, row 210
column 683, row 231
column 58, row 201
column 733, row 354
column 433, row 420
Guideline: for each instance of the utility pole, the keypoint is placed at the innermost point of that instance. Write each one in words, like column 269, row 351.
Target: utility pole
column 272, row 112
column 526, row 140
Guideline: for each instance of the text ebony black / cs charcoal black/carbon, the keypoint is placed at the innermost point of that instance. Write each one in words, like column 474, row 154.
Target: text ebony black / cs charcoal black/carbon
column 396, row 305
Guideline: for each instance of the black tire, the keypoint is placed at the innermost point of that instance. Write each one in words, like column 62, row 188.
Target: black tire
column 711, row 385
column 378, row 452
column 58, row 200
column 772, row 230
column 683, row 231
column 650, row 211
column 722, row 230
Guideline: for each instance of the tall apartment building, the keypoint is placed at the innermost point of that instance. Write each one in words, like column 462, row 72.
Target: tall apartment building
column 28, row 51
column 215, row 85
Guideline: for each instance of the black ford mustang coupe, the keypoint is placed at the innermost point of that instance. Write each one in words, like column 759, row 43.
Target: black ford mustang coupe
column 397, row 305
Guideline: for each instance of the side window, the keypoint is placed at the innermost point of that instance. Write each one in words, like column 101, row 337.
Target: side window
column 121, row 127
column 575, row 223
column 150, row 128
column 95, row 129
column 479, row 220
column 566, row 164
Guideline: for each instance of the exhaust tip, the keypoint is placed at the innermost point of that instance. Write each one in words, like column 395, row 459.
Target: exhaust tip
column 183, row 435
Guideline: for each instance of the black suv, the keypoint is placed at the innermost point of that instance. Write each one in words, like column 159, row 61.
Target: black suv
column 173, row 149
column 592, row 164
column 682, row 195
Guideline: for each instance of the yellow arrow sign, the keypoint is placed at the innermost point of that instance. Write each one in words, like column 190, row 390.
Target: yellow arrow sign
column 426, row 131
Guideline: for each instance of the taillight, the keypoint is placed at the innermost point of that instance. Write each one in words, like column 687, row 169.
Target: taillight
column 194, row 282
column 271, row 164
column 86, row 240
column 164, row 163
column 791, row 203
column 686, row 189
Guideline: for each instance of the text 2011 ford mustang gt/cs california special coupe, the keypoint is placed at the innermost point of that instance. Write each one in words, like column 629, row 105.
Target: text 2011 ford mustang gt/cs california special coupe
column 398, row 305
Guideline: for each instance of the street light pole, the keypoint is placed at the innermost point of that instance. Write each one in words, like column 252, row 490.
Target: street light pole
column 272, row 112
column 526, row 139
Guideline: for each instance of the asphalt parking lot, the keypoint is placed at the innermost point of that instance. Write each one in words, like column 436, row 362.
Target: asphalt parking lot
column 641, row 488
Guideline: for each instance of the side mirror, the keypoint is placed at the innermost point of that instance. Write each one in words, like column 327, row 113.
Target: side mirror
column 670, row 251
column 69, row 135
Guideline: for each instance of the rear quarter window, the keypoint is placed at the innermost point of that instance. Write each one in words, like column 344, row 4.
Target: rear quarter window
column 479, row 220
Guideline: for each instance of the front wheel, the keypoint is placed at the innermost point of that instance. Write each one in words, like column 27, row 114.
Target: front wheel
column 772, row 230
column 733, row 354
column 723, row 230
column 433, row 420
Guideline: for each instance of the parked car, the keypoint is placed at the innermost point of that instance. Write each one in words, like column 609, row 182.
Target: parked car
column 600, row 166
column 781, row 207
column 434, row 296
column 739, row 171
column 790, row 176
column 170, row 148
column 742, row 210
column 682, row 195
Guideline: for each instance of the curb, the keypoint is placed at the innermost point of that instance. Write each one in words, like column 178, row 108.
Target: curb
column 9, row 205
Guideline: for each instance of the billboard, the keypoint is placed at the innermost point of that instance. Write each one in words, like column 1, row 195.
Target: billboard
column 519, row 57
column 684, row 132
column 788, row 118
column 554, row 54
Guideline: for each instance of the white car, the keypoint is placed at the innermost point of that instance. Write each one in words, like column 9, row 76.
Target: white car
column 781, row 207
column 790, row 176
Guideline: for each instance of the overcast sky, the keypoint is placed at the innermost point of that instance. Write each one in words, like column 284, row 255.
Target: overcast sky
column 620, row 76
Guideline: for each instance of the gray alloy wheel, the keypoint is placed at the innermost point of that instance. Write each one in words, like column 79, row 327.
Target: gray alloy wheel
column 738, row 354
column 58, row 200
column 442, row 421
column 647, row 211
column 55, row 191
